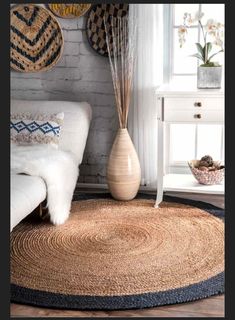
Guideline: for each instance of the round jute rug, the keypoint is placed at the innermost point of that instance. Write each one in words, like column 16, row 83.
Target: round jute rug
column 118, row 255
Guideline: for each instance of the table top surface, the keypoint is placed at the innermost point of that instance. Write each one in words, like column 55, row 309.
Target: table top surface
column 186, row 90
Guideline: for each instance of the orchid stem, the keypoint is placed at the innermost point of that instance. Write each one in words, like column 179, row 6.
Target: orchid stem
column 203, row 33
column 204, row 37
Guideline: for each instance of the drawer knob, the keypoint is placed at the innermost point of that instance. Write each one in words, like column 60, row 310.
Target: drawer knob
column 198, row 116
column 197, row 104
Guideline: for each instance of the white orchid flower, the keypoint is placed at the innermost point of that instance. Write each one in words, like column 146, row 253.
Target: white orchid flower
column 181, row 41
column 220, row 25
column 188, row 20
column 221, row 33
column 211, row 26
column 182, row 30
column 218, row 42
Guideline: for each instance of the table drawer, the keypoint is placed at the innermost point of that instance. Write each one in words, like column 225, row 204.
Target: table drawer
column 193, row 115
column 194, row 103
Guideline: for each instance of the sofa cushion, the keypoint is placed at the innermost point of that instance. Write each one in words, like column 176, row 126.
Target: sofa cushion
column 27, row 192
column 40, row 129
column 77, row 117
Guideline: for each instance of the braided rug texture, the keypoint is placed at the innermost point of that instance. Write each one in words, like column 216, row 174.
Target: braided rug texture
column 36, row 39
column 117, row 255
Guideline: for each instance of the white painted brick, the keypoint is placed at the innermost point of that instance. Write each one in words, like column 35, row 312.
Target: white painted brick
column 71, row 49
column 72, row 61
column 68, row 24
column 95, row 98
column 93, row 158
column 93, row 169
column 73, row 35
column 81, row 22
column 26, row 84
column 26, row 75
column 101, row 75
column 101, row 124
column 94, row 87
column 91, row 62
column 58, row 95
column 61, row 62
column 29, row 95
column 101, row 140
column 57, row 86
column 104, row 112
column 85, row 49
column 62, row 74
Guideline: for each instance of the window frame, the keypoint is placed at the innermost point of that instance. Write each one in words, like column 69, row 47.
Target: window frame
column 169, row 27
column 181, row 166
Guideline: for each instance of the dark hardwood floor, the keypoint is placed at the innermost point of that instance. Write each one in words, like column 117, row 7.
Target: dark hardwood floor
column 210, row 307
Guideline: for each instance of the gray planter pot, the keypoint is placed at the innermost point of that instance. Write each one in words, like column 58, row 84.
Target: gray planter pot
column 209, row 77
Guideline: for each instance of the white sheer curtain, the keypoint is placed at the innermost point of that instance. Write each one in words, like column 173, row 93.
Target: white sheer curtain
column 148, row 74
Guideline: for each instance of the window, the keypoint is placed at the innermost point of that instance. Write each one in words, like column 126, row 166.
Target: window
column 187, row 141
column 178, row 61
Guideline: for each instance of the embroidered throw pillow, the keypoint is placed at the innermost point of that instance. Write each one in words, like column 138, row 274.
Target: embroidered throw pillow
column 39, row 129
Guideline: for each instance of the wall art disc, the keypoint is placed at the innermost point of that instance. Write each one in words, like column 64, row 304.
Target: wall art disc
column 36, row 39
column 95, row 28
column 69, row 10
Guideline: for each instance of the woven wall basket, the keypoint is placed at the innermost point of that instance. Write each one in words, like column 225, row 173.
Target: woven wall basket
column 36, row 39
column 69, row 10
column 95, row 24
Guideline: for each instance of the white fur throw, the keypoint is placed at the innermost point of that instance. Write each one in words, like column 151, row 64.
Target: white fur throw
column 57, row 168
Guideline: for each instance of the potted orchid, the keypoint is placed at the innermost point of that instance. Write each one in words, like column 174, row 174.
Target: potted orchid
column 209, row 72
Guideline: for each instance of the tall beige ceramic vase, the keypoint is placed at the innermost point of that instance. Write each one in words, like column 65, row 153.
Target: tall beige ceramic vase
column 123, row 170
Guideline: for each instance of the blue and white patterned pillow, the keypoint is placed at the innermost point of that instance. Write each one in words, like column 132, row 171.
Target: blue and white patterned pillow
column 39, row 129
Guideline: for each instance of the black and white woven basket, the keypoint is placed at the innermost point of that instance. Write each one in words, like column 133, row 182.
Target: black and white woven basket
column 95, row 28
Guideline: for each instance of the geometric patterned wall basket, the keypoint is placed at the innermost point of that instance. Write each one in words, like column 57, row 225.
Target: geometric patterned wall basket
column 95, row 28
column 36, row 39
column 69, row 10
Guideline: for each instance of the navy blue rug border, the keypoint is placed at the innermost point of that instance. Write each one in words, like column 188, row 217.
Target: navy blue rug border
column 200, row 290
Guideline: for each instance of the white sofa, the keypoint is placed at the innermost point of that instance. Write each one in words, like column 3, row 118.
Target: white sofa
column 27, row 192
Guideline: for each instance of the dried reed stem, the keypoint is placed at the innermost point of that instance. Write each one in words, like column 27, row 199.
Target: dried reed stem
column 121, row 49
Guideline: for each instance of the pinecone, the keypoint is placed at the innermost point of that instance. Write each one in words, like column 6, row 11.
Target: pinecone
column 206, row 161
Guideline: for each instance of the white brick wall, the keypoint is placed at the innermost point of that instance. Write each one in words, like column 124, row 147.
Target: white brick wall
column 80, row 75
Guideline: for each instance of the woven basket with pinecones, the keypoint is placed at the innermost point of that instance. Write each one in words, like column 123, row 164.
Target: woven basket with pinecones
column 207, row 171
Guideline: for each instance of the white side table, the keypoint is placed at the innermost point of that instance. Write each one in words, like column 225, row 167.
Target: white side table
column 192, row 105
